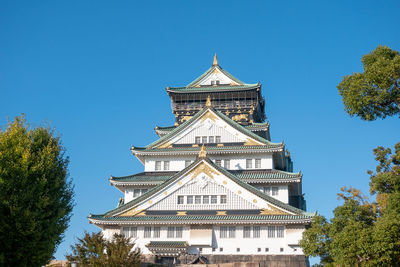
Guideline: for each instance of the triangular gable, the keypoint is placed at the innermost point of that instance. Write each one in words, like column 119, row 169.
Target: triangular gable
column 211, row 117
column 215, row 73
column 205, row 168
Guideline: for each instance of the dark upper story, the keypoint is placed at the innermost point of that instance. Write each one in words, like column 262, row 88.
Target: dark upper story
column 241, row 102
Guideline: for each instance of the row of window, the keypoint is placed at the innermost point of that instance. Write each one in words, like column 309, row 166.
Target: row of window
column 238, row 249
column 207, row 199
column 224, row 232
column 272, row 232
column 270, row 191
column 139, row 192
column 165, row 165
column 153, row 232
column 207, row 139
column 249, row 163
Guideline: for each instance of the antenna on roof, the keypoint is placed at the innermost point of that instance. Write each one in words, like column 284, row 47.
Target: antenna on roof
column 215, row 62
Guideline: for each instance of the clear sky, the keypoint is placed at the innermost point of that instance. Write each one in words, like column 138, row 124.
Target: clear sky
column 97, row 70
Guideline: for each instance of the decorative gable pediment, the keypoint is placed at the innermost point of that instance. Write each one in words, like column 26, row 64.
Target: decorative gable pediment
column 209, row 124
column 203, row 179
column 216, row 77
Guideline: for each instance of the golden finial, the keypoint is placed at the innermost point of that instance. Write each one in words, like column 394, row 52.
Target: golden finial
column 208, row 101
column 215, row 62
column 202, row 153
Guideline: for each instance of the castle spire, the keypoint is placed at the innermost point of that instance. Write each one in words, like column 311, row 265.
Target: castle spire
column 215, row 62
column 202, row 153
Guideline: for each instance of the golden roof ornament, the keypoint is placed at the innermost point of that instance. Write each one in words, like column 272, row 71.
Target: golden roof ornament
column 215, row 61
column 208, row 101
column 202, row 153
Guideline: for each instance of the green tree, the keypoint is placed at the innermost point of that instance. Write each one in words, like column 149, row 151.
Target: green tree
column 362, row 233
column 36, row 197
column 375, row 92
column 95, row 251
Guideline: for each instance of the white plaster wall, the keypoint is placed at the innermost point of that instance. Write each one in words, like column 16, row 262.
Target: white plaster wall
column 236, row 162
column 208, row 129
column 128, row 194
column 247, row 245
column 283, row 192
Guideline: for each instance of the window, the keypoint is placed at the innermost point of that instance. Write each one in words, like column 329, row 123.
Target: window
column 267, row 191
column 227, row 164
column 157, row 231
column 179, row 232
column 166, row 165
column 187, row 163
column 237, row 249
column 211, row 139
column 249, row 163
column 201, row 249
column 266, row 249
column 218, row 162
column 221, row 249
column 136, row 193
column 217, row 82
column 197, row 139
column 197, row 199
column 171, row 232
column 275, row 190
column 212, row 82
column 147, row 232
column 232, row 231
column 218, row 139
column 213, row 249
column 144, row 190
column 256, row 232
column 246, row 231
column 271, row 231
column 258, row 249
column 223, row 199
column 281, row 249
column 204, row 139
column 158, row 165
column 214, row 199
column 258, row 164
column 125, row 231
column 223, row 232
column 206, row 199
column 180, row 199
column 189, row 200
column 280, row 231
column 133, row 232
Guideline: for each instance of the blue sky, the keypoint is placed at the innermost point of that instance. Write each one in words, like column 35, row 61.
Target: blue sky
column 97, row 70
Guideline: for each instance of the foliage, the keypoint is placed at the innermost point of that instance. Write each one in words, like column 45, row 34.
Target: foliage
column 96, row 251
column 376, row 91
column 362, row 233
column 36, row 198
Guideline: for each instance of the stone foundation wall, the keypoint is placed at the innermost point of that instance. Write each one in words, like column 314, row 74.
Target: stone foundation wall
column 240, row 261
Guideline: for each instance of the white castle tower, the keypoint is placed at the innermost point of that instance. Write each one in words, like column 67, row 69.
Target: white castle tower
column 214, row 188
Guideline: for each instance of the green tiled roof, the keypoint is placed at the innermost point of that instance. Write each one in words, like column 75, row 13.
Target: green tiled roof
column 218, row 88
column 167, row 244
column 210, row 148
column 243, row 175
column 222, row 170
column 253, row 125
column 205, row 218
column 223, row 117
